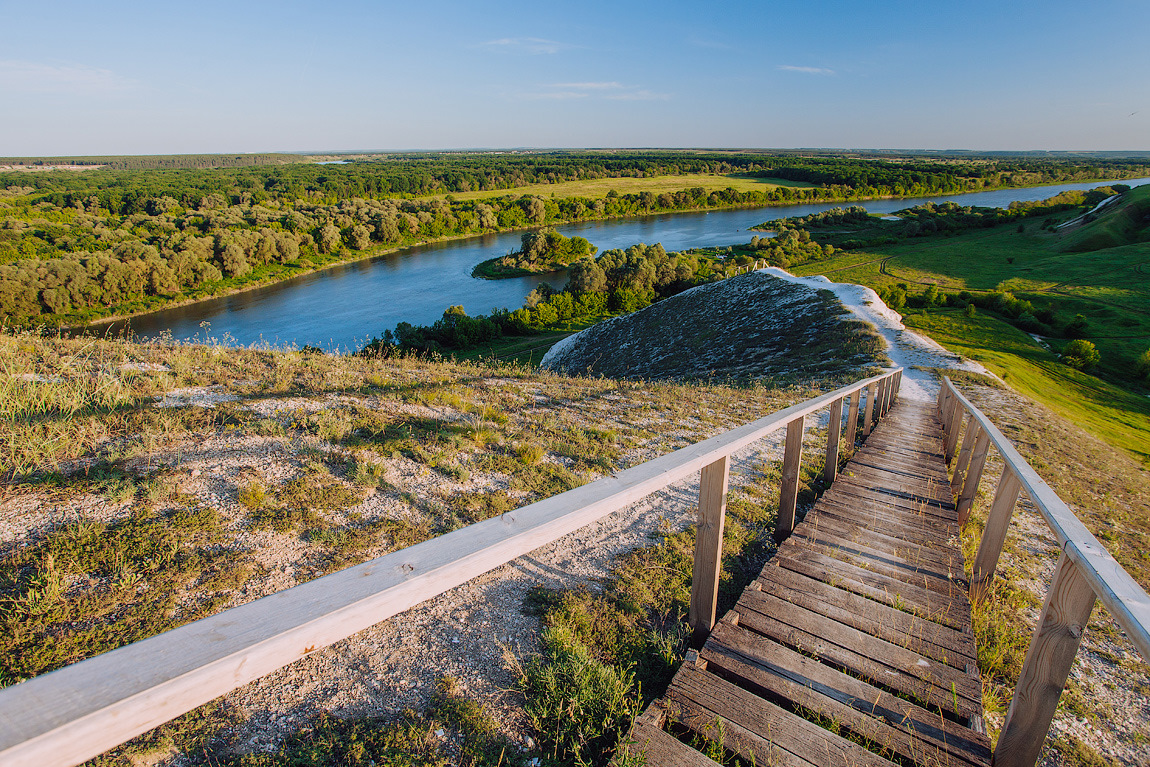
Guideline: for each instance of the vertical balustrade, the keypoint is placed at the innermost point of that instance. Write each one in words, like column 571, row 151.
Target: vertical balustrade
column 834, row 430
column 868, row 417
column 973, row 475
column 853, row 419
column 994, row 534
column 953, row 426
column 963, row 461
column 708, row 547
column 789, row 485
column 1046, row 668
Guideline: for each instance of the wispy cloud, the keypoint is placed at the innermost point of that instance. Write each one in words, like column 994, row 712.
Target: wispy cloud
column 615, row 91
column 807, row 70
column 611, row 86
column 553, row 95
column 533, row 45
column 32, row 77
column 639, row 95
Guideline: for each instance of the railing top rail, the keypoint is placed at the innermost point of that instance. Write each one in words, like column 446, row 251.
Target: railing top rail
column 79, row 711
column 1124, row 598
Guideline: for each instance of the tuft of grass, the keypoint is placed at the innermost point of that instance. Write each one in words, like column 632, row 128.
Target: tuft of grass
column 201, row 734
column 301, row 502
column 577, row 704
column 88, row 587
column 409, row 741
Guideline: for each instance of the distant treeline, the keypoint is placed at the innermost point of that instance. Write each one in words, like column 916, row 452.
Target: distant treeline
column 78, row 246
column 156, row 161
column 125, row 192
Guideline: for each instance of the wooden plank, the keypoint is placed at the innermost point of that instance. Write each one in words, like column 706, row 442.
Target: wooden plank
column 789, row 483
column 994, row 534
column 698, row 697
column 925, row 637
column 834, row 429
column 708, row 547
column 887, row 531
column 1046, row 668
column 973, row 476
column 905, row 728
column 701, row 720
column 948, row 608
column 658, row 747
column 72, row 714
column 919, row 503
column 929, row 681
column 881, row 563
column 845, row 558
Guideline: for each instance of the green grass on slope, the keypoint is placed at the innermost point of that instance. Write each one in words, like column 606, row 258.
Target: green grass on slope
column 1119, row 417
column 1121, row 223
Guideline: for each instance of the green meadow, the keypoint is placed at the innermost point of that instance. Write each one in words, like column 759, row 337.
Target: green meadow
column 1037, row 262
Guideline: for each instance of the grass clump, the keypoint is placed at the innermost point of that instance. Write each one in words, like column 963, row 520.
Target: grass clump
column 89, row 586
column 411, row 740
column 201, row 734
column 580, row 703
column 333, row 742
column 299, row 504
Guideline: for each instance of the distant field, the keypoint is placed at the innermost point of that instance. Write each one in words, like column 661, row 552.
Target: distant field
column 599, row 187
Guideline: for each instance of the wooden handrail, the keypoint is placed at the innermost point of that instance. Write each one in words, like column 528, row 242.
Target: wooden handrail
column 1086, row 571
column 74, row 713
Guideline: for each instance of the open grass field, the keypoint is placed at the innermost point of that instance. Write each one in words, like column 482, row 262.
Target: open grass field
column 599, row 187
column 1115, row 415
column 1110, row 287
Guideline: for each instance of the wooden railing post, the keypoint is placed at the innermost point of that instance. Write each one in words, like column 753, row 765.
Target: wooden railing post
column 834, row 430
column 868, row 417
column 1046, row 668
column 963, row 461
column 853, row 419
column 954, row 424
column 789, row 485
column 708, row 547
column 994, row 534
column 973, row 475
column 897, row 383
column 887, row 391
column 880, row 405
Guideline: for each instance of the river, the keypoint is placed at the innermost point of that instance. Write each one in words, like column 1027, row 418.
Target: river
column 342, row 307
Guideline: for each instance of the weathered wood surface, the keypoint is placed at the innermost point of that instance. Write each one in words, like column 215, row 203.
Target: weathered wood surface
column 861, row 620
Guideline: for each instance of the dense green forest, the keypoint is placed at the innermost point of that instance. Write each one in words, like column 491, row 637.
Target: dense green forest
column 79, row 246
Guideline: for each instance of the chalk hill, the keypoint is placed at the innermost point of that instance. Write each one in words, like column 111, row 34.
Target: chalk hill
column 753, row 326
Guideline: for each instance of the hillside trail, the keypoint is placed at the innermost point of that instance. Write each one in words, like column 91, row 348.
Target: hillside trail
column 907, row 349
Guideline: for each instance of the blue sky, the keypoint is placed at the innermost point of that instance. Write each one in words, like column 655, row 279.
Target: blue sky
column 158, row 77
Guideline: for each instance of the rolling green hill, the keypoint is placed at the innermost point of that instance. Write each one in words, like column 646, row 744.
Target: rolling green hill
column 1122, row 223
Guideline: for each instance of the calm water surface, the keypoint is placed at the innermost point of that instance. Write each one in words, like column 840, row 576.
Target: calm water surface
column 341, row 308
